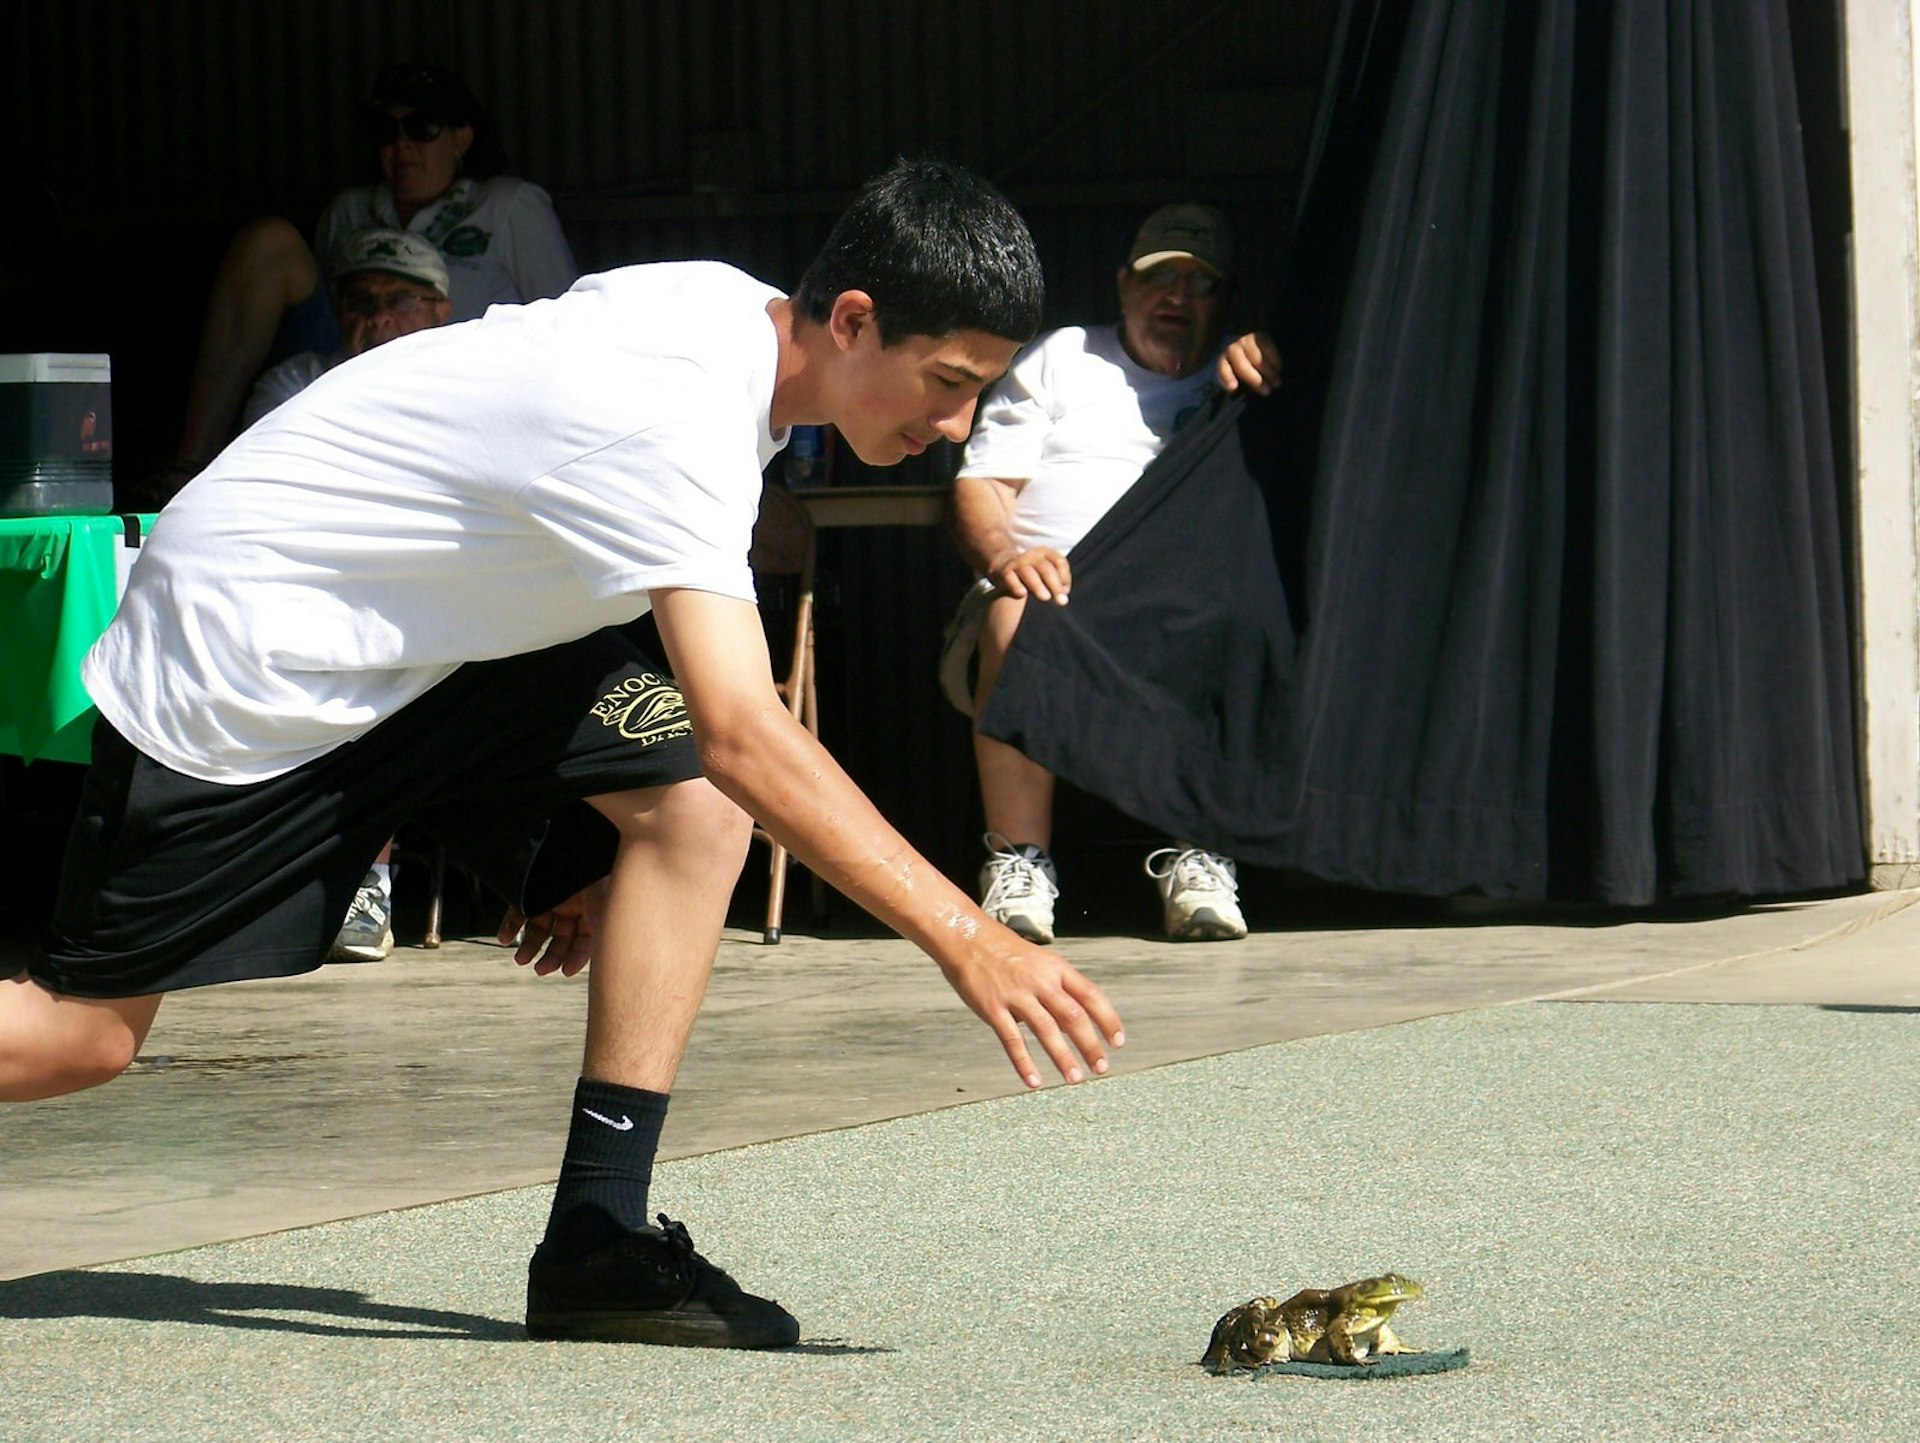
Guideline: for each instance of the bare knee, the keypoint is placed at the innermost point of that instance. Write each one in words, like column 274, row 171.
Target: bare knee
column 270, row 254
column 51, row 1045
column 693, row 815
column 267, row 241
column 710, row 820
column 103, row 1058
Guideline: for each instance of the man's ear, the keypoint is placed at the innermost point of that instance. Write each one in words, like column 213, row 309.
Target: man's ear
column 852, row 315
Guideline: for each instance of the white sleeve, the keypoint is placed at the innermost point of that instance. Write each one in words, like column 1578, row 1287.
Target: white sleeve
column 1014, row 422
column 542, row 262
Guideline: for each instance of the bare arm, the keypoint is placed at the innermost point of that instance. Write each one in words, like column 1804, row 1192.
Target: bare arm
column 756, row 753
column 978, row 519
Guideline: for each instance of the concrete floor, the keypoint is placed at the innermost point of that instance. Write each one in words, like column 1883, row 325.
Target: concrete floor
column 439, row 1074
column 444, row 1075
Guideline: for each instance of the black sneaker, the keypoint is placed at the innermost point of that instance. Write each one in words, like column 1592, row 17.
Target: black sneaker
column 651, row 1287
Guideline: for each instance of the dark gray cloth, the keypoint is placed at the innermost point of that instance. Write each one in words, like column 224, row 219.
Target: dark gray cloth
column 1530, row 582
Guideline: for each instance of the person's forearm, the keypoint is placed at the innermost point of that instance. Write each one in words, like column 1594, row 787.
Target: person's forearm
column 778, row 772
column 980, row 520
column 755, row 752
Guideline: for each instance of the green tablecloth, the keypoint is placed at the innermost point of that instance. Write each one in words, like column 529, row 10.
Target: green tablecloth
column 58, row 589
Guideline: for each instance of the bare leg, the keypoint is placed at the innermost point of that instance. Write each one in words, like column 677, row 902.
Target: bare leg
column 1016, row 792
column 681, row 850
column 267, row 270
column 52, row 1044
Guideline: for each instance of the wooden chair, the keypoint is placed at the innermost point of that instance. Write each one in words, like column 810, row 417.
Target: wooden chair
column 783, row 545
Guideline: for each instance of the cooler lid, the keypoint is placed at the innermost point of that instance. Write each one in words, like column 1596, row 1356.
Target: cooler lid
column 56, row 366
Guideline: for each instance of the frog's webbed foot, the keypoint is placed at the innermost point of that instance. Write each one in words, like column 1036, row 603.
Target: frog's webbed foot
column 1387, row 1341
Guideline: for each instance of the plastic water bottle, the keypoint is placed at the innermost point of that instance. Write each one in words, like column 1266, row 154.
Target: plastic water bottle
column 806, row 458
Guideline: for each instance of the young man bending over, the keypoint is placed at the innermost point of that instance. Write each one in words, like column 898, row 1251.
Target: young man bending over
column 391, row 600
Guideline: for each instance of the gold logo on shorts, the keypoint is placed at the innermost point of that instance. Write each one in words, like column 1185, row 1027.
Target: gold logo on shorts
column 646, row 708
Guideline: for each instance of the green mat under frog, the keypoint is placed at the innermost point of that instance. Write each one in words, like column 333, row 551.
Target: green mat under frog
column 1394, row 1365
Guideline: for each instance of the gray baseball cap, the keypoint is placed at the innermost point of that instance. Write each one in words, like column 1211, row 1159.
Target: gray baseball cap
column 392, row 252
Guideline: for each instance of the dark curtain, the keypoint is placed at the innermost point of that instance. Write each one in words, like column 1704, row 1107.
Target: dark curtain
column 1530, row 581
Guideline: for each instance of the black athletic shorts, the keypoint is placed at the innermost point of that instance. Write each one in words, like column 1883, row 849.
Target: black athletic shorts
column 171, row 882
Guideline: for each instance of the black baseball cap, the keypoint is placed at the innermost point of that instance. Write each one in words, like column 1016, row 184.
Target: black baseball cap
column 429, row 89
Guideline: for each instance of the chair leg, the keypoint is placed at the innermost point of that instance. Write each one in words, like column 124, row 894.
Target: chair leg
column 437, row 871
column 776, row 895
column 799, row 703
column 809, row 710
column 810, row 717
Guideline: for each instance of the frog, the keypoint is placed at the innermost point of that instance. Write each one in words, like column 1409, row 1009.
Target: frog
column 1347, row 1324
column 1248, row 1336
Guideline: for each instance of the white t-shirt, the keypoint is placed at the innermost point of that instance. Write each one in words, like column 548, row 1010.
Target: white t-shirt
column 1077, row 419
column 500, row 238
column 467, row 492
column 285, row 381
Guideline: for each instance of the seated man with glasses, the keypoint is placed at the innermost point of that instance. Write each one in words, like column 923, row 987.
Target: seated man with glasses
column 385, row 283
column 1077, row 418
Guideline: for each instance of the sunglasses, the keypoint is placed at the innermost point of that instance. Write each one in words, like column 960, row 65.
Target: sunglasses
column 387, row 129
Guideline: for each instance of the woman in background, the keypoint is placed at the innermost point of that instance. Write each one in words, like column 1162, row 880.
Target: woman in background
column 440, row 165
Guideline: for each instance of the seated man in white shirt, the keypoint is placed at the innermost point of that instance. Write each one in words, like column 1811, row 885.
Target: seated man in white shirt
column 1078, row 417
column 386, row 283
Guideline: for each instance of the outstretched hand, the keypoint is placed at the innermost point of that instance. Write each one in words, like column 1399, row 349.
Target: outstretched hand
column 1012, row 984
column 1252, row 360
column 557, row 941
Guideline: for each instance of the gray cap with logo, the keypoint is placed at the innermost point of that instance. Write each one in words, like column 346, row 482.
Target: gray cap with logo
column 391, row 252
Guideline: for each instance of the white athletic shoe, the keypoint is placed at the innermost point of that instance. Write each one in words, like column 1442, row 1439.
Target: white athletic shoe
column 367, row 935
column 1199, row 894
column 1017, row 888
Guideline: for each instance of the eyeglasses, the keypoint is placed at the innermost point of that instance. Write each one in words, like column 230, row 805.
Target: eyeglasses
column 365, row 305
column 1200, row 284
column 387, row 129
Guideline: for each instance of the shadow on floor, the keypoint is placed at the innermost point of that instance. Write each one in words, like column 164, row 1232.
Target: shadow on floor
column 168, row 1298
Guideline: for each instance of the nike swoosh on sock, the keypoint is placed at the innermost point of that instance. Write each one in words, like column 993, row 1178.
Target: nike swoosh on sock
column 625, row 1124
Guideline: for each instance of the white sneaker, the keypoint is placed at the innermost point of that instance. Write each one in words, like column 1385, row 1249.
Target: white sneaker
column 1017, row 888
column 367, row 935
column 1200, row 894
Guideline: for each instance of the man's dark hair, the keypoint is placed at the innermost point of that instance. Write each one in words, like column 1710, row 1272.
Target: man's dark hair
column 938, row 249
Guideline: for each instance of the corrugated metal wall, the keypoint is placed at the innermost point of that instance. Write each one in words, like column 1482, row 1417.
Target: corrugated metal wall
column 732, row 127
column 668, row 128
